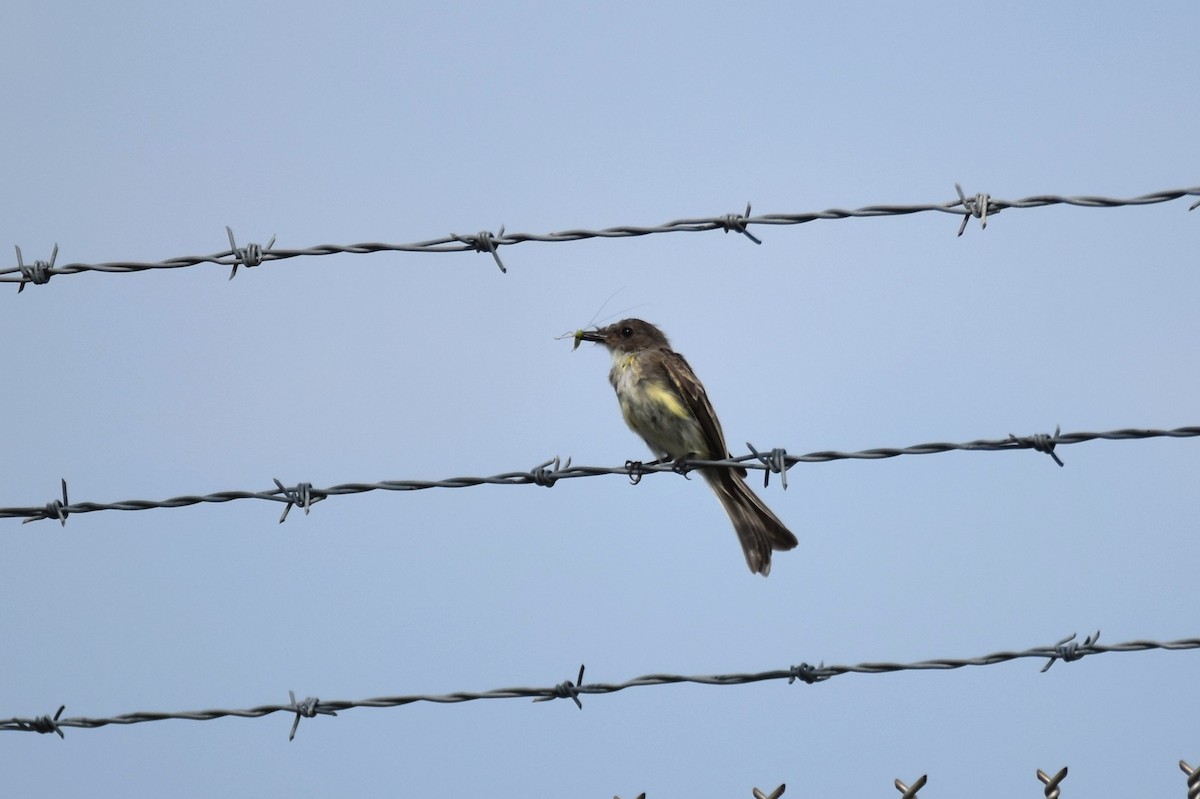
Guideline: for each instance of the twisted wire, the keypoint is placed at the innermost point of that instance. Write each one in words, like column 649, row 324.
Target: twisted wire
column 1065, row 649
column 980, row 206
column 775, row 461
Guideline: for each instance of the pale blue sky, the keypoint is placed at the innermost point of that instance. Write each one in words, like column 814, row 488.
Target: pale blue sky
column 138, row 131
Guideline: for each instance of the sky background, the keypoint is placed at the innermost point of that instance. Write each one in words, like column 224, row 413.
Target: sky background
column 137, row 131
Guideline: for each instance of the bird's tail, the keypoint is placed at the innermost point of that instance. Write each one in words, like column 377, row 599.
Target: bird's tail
column 759, row 530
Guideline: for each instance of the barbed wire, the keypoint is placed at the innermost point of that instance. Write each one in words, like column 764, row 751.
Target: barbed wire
column 775, row 461
column 1067, row 649
column 980, row 206
column 1050, row 783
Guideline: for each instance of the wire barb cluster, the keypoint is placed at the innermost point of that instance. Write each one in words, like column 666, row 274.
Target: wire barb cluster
column 308, row 709
column 249, row 256
column 979, row 206
column 1052, row 790
column 774, row 461
column 573, row 690
column 38, row 273
column 1069, row 649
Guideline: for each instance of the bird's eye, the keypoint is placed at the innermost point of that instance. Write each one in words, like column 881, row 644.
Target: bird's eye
column 626, row 331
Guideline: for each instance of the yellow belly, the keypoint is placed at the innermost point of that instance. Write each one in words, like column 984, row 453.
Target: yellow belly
column 654, row 411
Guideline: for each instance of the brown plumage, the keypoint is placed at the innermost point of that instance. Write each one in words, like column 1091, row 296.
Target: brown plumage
column 664, row 402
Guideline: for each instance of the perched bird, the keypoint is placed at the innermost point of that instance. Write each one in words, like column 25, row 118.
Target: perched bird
column 664, row 402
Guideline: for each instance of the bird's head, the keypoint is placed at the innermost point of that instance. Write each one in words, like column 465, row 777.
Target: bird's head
column 628, row 335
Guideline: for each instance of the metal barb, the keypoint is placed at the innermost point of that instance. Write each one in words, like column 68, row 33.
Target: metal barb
column 978, row 206
column 484, row 241
column 1052, row 790
column 775, row 461
column 1068, row 650
column 736, row 223
column 54, row 509
column 1193, row 779
column 1041, row 442
column 775, row 794
column 809, row 675
column 39, row 273
column 542, row 475
column 44, row 724
column 566, row 690
column 907, row 792
column 302, row 496
column 249, row 256
column 308, row 709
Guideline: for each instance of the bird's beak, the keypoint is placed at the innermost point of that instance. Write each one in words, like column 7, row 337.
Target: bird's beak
column 587, row 335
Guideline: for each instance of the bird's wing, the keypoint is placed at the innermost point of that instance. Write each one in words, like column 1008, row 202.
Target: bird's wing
column 692, row 390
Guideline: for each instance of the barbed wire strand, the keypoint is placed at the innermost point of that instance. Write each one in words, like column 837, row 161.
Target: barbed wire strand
column 979, row 206
column 1067, row 649
column 1051, row 789
column 775, row 461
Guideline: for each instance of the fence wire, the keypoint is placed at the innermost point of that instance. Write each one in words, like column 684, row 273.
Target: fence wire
column 1050, row 784
column 775, row 461
column 980, row 206
column 1066, row 649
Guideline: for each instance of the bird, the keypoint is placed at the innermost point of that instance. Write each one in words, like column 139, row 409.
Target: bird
column 664, row 402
